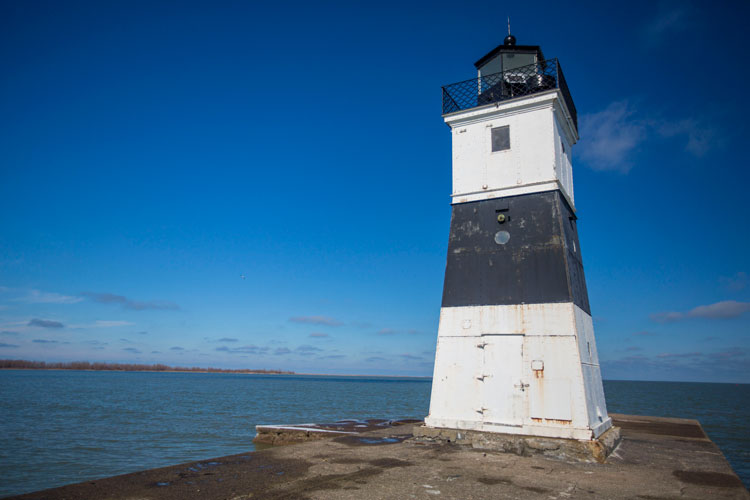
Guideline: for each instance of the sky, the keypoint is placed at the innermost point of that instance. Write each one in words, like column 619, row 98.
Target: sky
column 267, row 185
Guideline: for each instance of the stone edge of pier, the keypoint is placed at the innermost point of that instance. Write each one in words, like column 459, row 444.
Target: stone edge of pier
column 286, row 434
column 594, row 450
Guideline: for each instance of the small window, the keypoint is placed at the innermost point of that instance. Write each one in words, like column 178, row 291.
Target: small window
column 501, row 138
column 502, row 237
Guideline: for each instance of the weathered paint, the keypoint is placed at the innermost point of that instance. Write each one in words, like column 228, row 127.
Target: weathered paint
column 550, row 396
column 501, row 372
column 539, row 132
column 564, row 398
column 539, row 261
column 461, row 362
column 516, row 351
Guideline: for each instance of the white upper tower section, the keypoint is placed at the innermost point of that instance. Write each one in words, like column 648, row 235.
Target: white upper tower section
column 513, row 127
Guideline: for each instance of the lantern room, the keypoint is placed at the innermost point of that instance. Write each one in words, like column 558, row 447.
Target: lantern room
column 508, row 57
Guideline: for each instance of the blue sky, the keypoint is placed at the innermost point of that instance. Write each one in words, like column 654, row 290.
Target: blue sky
column 152, row 153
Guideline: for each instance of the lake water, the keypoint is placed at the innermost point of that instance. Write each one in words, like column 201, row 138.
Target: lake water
column 60, row 427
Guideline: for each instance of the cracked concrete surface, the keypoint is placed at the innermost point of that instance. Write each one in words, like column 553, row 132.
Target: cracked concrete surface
column 658, row 459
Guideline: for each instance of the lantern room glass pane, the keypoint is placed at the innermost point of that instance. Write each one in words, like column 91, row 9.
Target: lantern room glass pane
column 513, row 61
column 491, row 67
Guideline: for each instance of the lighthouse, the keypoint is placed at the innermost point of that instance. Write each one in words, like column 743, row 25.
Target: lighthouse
column 515, row 351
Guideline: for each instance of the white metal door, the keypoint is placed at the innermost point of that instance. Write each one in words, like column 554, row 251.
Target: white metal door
column 456, row 391
column 503, row 389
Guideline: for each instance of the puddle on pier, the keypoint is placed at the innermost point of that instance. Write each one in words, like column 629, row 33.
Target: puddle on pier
column 369, row 440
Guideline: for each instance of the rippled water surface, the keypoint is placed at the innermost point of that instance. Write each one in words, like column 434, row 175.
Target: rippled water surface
column 60, row 427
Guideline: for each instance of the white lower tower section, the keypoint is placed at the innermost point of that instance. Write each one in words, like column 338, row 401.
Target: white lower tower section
column 518, row 369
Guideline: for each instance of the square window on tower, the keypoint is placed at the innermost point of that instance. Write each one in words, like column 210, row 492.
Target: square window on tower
column 501, row 138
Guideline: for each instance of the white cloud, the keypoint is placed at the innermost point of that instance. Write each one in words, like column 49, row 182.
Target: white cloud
column 16, row 327
column 700, row 138
column 720, row 310
column 728, row 365
column 609, row 137
column 136, row 305
column 34, row 296
column 102, row 324
column 40, row 297
column 316, row 320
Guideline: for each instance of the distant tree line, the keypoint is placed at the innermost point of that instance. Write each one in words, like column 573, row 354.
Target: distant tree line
column 22, row 364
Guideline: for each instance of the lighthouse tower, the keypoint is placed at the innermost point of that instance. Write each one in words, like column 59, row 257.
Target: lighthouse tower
column 515, row 350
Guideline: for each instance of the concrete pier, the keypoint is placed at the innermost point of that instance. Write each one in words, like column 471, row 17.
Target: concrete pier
column 279, row 435
column 657, row 458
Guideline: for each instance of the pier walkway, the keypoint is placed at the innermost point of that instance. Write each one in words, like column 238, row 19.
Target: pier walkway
column 657, row 459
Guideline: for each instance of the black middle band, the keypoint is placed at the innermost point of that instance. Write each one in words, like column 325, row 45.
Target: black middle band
column 539, row 263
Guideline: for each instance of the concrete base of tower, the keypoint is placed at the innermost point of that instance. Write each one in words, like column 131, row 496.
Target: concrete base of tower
column 580, row 450
column 541, row 427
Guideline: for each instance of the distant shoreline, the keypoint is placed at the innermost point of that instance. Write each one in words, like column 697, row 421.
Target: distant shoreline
column 420, row 377
column 228, row 372
column 22, row 364
column 219, row 371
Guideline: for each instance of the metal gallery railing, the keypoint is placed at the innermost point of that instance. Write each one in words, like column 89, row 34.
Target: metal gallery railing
column 497, row 87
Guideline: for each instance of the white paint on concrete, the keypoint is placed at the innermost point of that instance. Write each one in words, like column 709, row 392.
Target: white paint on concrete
column 489, row 194
column 526, row 319
column 461, row 362
column 488, row 377
column 535, row 162
column 500, row 379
